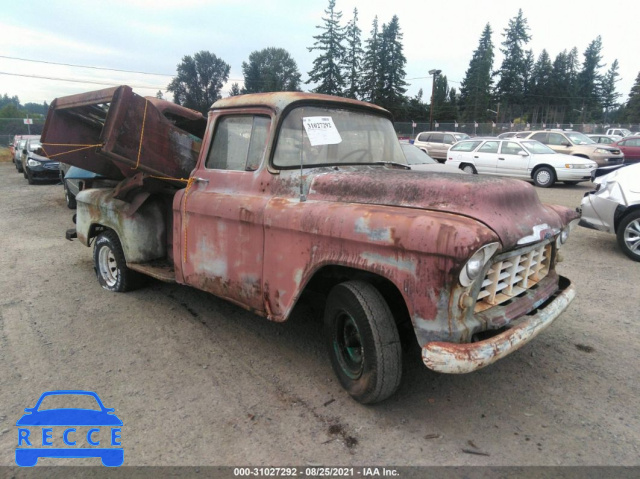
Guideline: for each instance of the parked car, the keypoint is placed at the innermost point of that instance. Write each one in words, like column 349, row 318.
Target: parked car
column 437, row 143
column 622, row 132
column 630, row 146
column 418, row 160
column 526, row 159
column 605, row 139
column 513, row 134
column 35, row 166
column 17, row 154
column 15, row 148
column 75, row 179
column 577, row 144
column 614, row 207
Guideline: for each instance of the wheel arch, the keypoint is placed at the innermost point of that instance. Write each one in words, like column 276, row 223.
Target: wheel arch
column 621, row 213
column 328, row 276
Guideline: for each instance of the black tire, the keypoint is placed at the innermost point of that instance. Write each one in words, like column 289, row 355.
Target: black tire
column 629, row 235
column 571, row 183
column 69, row 197
column 110, row 265
column 467, row 168
column 28, row 176
column 363, row 341
column 544, row 177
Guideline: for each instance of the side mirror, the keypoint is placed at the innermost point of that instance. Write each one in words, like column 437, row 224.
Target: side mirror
column 565, row 143
column 523, row 153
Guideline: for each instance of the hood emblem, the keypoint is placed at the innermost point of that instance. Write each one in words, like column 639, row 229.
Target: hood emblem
column 540, row 232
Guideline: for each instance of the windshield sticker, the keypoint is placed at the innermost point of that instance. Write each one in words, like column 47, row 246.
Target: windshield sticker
column 321, row 130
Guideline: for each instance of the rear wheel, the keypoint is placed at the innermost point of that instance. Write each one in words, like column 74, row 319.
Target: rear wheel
column 110, row 265
column 629, row 235
column 467, row 168
column 363, row 341
column 544, row 177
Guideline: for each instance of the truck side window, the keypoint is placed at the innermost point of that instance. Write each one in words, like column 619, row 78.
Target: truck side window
column 239, row 143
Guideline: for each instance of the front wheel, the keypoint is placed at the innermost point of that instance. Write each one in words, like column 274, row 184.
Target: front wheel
column 544, row 177
column 363, row 341
column 629, row 235
column 110, row 265
column 467, row 168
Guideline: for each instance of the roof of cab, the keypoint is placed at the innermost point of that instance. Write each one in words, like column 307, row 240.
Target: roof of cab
column 279, row 101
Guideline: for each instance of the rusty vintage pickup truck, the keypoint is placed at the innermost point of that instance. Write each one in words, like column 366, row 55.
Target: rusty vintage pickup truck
column 295, row 192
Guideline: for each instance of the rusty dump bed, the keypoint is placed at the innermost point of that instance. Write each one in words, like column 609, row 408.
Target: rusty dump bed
column 117, row 133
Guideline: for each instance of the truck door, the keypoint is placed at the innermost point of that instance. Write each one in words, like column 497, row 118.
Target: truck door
column 222, row 212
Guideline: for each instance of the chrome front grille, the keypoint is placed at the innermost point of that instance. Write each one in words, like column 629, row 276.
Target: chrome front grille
column 513, row 275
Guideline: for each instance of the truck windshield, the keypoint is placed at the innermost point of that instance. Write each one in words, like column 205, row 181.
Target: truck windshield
column 349, row 137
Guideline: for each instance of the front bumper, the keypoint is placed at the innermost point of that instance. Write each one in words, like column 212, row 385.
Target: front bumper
column 455, row 358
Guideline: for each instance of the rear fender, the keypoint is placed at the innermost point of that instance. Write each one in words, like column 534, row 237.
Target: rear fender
column 140, row 225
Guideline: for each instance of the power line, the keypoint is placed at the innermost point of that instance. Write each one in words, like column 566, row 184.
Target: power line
column 82, row 81
column 99, row 68
column 86, row 66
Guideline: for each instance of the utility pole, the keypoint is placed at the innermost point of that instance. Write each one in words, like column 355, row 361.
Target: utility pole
column 435, row 74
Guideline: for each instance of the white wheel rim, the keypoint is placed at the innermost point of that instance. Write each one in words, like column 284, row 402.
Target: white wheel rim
column 543, row 177
column 108, row 266
column 632, row 236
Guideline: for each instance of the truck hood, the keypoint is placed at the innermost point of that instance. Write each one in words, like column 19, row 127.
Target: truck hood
column 511, row 208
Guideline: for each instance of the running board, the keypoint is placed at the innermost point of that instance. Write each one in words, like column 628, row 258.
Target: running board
column 160, row 269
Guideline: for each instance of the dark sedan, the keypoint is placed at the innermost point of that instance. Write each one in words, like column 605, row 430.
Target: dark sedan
column 36, row 166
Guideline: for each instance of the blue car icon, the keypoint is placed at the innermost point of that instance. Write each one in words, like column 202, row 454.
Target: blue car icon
column 102, row 418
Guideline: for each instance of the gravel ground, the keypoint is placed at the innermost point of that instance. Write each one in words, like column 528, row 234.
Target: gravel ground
column 198, row 381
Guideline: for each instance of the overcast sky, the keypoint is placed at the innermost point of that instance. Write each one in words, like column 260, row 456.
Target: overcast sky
column 153, row 36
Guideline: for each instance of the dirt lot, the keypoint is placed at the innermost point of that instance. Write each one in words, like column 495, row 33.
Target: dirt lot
column 198, row 381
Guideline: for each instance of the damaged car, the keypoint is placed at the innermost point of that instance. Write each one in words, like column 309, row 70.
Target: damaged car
column 614, row 207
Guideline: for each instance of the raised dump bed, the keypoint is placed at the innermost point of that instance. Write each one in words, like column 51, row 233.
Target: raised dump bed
column 118, row 134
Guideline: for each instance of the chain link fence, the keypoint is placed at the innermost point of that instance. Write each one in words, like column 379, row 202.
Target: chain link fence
column 408, row 130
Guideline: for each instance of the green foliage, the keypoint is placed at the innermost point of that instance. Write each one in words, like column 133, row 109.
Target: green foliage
column 609, row 96
column 392, row 73
column 199, row 81
column 511, row 86
column 235, row 90
column 632, row 109
column 371, row 89
column 353, row 57
column 270, row 69
column 589, row 80
column 475, row 89
column 327, row 67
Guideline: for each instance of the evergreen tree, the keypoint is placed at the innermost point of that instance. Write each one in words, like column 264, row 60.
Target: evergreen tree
column 353, row 58
column 371, row 88
column 589, row 80
column 392, row 72
column 270, row 69
column 541, row 86
column 475, row 89
column 632, row 109
column 199, row 81
column 416, row 109
column 512, row 72
column 327, row 67
column 609, row 96
column 235, row 90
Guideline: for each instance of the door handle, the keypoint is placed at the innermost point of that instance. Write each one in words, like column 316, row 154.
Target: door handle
column 476, row 157
column 500, row 158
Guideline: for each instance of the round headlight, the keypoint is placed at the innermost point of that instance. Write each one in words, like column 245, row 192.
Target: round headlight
column 475, row 264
